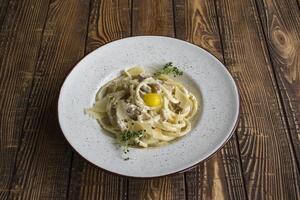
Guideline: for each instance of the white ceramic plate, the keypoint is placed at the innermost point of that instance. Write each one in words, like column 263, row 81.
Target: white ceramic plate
column 204, row 75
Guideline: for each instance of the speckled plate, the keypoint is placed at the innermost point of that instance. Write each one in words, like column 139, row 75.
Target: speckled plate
column 204, row 75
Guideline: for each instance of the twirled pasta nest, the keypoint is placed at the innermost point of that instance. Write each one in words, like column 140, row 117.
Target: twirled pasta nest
column 120, row 107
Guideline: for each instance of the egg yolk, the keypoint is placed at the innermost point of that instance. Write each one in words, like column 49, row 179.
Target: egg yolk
column 152, row 99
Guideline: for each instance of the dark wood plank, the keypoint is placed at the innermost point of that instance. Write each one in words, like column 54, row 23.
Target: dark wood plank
column 89, row 182
column 171, row 187
column 19, row 44
column 154, row 17
column 109, row 20
column 44, row 160
column 281, row 24
column 196, row 22
column 3, row 10
column 268, row 161
column 220, row 177
column 209, row 180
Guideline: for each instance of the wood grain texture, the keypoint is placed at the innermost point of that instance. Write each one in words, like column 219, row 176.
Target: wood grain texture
column 154, row 17
column 39, row 46
column 89, row 182
column 268, row 161
column 44, row 159
column 3, row 10
column 19, row 45
column 109, row 20
column 196, row 22
column 220, row 177
column 217, row 178
column 171, row 187
column 281, row 24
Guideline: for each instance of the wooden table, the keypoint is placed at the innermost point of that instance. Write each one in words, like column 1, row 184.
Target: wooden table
column 258, row 40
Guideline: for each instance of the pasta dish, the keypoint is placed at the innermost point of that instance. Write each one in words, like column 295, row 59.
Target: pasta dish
column 144, row 110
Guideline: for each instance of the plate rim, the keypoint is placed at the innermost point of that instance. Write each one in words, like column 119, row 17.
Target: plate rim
column 167, row 174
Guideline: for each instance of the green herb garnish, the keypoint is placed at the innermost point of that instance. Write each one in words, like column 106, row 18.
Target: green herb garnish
column 128, row 138
column 169, row 69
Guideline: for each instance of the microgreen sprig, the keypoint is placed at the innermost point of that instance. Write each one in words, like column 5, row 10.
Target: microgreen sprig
column 127, row 138
column 169, row 69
